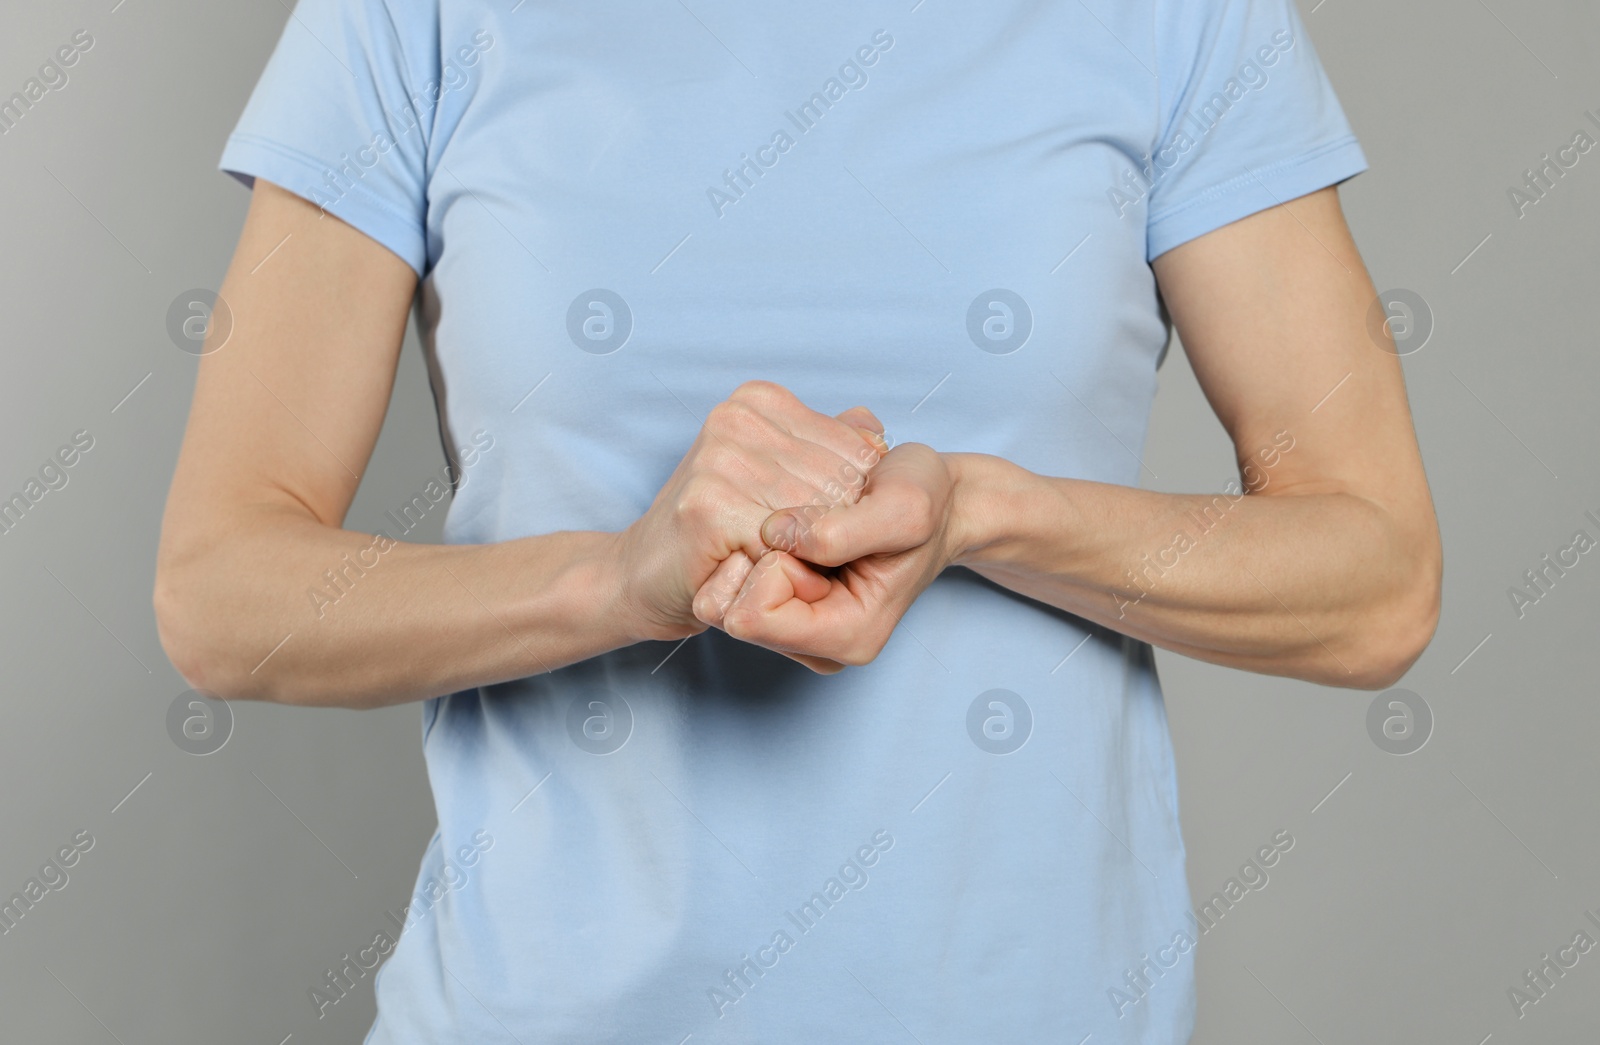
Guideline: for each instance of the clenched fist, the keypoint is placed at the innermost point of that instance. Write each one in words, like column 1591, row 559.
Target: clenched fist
column 759, row 451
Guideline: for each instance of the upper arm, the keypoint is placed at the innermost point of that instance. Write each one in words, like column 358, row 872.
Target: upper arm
column 288, row 405
column 1273, row 314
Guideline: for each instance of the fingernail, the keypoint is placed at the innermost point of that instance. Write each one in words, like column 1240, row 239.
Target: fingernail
column 876, row 438
column 780, row 534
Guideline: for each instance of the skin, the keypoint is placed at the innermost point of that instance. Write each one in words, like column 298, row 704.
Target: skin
column 284, row 418
column 1328, row 571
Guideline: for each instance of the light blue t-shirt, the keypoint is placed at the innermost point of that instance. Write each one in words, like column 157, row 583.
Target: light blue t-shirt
column 944, row 211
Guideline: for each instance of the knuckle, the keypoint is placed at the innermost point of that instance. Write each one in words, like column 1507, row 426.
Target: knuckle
column 732, row 419
column 707, row 607
column 697, row 499
column 762, row 393
column 857, row 654
column 828, row 542
column 854, row 479
column 686, row 510
column 809, row 514
column 720, row 415
column 807, row 521
column 740, row 623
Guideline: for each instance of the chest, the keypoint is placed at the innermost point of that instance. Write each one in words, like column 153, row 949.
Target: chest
column 914, row 210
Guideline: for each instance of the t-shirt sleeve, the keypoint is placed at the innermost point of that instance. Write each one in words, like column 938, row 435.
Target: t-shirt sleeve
column 1249, row 119
column 340, row 117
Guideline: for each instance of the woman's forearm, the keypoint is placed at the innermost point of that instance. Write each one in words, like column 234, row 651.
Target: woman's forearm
column 286, row 609
column 1327, row 587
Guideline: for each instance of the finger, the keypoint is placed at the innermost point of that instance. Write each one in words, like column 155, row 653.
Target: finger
column 755, row 451
column 770, row 592
column 784, row 408
column 861, row 417
column 723, row 511
column 771, row 611
column 843, row 435
column 740, row 482
column 867, row 423
column 889, row 518
column 722, row 587
column 821, row 665
column 823, row 477
column 772, row 582
column 751, row 465
column 879, row 441
column 778, row 577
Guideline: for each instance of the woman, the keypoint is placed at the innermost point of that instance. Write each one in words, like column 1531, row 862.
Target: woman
column 663, row 253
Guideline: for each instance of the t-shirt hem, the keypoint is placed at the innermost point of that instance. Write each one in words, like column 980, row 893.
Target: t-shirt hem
column 1255, row 190
column 247, row 157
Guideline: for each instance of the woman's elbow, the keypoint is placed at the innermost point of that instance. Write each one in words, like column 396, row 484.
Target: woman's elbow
column 199, row 640
column 1395, row 636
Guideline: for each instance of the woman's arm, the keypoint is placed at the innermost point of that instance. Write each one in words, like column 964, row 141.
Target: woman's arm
column 1327, row 569
column 284, row 418
column 283, row 421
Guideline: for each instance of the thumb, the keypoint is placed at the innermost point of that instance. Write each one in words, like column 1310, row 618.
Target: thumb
column 885, row 520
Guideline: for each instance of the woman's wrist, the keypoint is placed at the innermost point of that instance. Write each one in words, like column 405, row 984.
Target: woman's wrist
column 986, row 492
column 617, row 612
column 578, row 599
column 622, row 607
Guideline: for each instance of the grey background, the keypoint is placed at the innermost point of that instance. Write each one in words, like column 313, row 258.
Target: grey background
column 1420, row 887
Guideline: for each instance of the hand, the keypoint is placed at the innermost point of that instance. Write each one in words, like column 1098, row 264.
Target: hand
column 760, row 450
column 887, row 546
